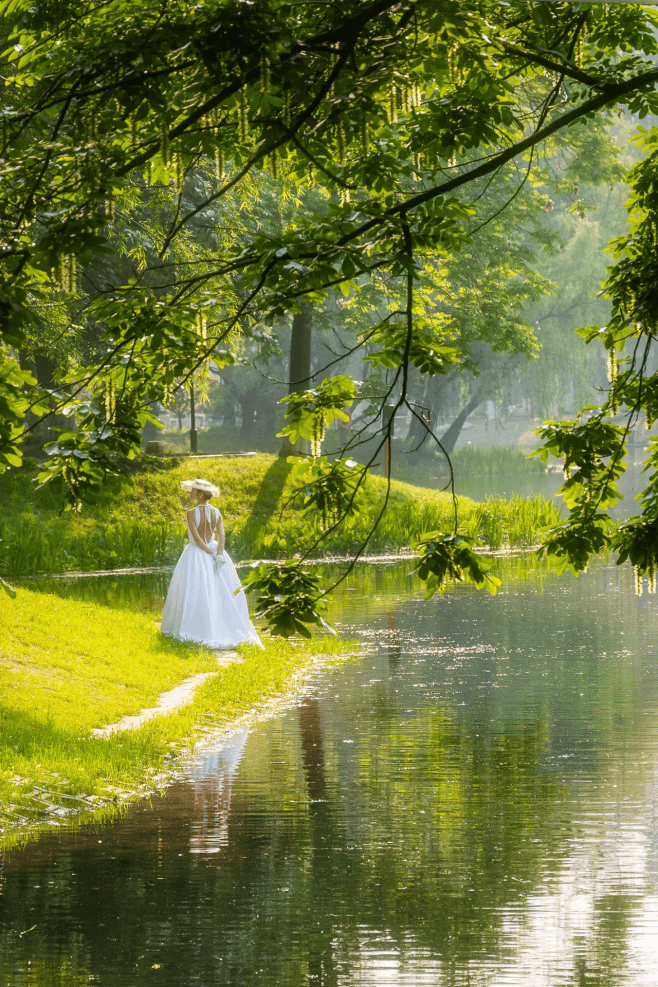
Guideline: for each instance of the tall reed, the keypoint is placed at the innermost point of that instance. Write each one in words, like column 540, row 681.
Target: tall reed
column 495, row 522
column 33, row 547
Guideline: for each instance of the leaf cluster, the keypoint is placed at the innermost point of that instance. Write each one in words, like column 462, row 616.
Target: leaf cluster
column 289, row 597
column 447, row 559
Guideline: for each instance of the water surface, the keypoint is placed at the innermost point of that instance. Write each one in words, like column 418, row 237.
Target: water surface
column 474, row 802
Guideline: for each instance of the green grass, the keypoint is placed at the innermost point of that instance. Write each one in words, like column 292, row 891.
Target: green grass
column 68, row 667
column 145, row 526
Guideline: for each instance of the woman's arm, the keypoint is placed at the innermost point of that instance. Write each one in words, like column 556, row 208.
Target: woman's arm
column 191, row 523
column 221, row 537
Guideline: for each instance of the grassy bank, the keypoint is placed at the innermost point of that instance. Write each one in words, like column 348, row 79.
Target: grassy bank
column 145, row 525
column 68, row 667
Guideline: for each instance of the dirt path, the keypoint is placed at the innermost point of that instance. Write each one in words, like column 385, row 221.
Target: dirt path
column 181, row 695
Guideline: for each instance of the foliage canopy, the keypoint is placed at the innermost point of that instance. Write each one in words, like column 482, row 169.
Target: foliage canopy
column 402, row 112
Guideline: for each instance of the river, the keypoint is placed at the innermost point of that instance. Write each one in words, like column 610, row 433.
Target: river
column 472, row 803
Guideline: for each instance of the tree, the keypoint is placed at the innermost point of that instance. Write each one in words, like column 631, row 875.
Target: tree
column 394, row 106
column 593, row 446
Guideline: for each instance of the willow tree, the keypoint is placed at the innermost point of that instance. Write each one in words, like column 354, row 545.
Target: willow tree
column 393, row 106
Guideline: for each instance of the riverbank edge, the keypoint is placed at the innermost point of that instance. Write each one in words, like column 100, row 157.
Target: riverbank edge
column 60, row 773
column 144, row 525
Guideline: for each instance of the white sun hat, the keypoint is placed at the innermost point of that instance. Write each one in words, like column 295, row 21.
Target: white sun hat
column 202, row 485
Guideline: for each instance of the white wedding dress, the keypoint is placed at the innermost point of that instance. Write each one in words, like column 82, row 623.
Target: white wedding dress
column 201, row 605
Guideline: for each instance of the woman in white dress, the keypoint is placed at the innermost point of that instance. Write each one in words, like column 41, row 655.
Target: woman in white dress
column 201, row 605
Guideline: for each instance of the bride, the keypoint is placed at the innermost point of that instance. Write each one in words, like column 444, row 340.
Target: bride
column 201, row 605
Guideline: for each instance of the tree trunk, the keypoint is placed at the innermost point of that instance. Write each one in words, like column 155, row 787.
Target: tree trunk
column 449, row 438
column 43, row 368
column 247, row 409
column 299, row 374
column 434, row 388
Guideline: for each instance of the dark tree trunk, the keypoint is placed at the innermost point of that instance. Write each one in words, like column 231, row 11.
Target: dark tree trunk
column 449, row 438
column 300, row 350
column 434, row 389
column 247, row 409
column 299, row 374
column 43, row 368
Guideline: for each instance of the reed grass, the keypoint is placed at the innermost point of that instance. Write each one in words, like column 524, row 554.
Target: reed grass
column 69, row 666
column 33, row 546
column 515, row 523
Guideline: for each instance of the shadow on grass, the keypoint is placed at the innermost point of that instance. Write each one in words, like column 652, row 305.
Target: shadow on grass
column 266, row 505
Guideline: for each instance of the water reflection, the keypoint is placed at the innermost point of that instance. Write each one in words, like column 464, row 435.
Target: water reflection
column 473, row 803
column 212, row 781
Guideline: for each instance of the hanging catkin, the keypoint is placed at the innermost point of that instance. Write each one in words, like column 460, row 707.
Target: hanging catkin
column 264, row 73
column 318, row 435
column 201, row 326
column 392, row 104
column 110, row 396
column 612, row 364
column 274, row 164
column 179, row 173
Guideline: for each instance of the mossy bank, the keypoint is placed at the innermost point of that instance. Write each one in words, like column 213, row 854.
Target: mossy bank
column 144, row 526
column 69, row 667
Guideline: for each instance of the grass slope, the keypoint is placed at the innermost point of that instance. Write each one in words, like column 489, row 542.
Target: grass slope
column 144, row 526
column 68, row 667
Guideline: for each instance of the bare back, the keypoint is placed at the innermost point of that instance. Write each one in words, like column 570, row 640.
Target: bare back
column 203, row 522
